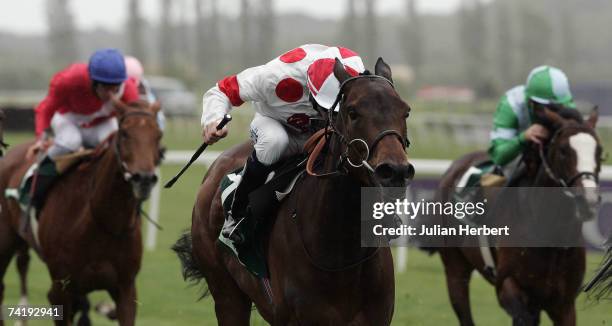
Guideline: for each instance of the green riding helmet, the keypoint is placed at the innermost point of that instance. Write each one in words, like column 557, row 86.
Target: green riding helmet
column 549, row 85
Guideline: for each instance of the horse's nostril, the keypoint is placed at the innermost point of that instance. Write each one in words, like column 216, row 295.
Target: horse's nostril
column 384, row 171
column 410, row 171
column 150, row 178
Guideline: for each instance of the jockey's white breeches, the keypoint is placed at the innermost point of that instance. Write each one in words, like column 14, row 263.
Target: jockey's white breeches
column 274, row 141
column 70, row 133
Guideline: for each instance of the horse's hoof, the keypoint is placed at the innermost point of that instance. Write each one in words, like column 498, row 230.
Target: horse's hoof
column 107, row 309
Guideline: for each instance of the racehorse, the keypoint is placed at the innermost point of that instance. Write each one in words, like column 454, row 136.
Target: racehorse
column 3, row 145
column 319, row 274
column 531, row 280
column 89, row 226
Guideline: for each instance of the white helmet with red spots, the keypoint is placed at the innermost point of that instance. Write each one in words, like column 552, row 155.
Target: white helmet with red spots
column 322, row 83
column 134, row 68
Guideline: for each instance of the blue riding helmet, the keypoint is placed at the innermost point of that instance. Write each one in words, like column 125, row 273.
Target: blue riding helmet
column 107, row 66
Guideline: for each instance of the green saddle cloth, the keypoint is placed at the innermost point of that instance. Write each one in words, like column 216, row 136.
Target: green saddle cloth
column 250, row 253
column 263, row 204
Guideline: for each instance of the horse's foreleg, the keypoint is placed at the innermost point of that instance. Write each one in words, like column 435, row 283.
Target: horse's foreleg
column 458, row 274
column 81, row 304
column 563, row 316
column 59, row 296
column 4, row 261
column 23, row 263
column 125, row 300
column 7, row 250
column 512, row 298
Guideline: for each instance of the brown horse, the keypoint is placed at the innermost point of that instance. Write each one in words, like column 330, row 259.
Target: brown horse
column 3, row 145
column 89, row 226
column 531, row 280
column 319, row 274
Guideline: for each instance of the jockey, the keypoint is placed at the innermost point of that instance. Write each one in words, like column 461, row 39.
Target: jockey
column 513, row 120
column 79, row 109
column 135, row 71
column 281, row 92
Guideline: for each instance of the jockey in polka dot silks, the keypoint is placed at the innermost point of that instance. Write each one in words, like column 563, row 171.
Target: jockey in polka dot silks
column 281, row 92
column 513, row 121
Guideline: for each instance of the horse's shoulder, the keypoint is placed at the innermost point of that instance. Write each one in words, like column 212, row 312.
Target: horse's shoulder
column 14, row 161
column 230, row 160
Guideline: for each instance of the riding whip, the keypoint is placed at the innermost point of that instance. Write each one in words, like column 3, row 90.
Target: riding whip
column 227, row 118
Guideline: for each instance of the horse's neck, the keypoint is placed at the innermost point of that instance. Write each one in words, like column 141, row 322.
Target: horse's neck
column 112, row 204
column 330, row 208
column 331, row 227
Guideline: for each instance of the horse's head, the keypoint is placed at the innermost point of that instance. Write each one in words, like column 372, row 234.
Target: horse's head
column 574, row 156
column 138, row 146
column 372, row 122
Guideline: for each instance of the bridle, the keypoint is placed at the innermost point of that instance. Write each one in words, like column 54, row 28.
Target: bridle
column 125, row 171
column 331, row 129
column 552, row 175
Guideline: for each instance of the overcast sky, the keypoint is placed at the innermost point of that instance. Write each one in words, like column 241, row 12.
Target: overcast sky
column 28, row 16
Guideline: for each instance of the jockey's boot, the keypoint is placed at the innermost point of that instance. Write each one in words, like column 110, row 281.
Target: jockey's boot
column 36, row 187
column 254, row 175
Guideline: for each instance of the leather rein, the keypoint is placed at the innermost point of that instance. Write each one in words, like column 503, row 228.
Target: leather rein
column 554, row 176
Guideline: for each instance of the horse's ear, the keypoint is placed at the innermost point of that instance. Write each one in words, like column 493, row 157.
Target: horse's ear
column 383, row 69
column 593, row 117
column 549, row 118
column 120, row 107
column 155, row 107
column 339, row 71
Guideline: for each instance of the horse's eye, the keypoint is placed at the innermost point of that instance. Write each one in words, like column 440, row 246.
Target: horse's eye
column 353, row 114
column 406, row 115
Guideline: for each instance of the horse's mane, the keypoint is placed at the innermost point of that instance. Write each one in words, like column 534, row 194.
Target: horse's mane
column 138, row 104
column 567, row 113
column 571, row 114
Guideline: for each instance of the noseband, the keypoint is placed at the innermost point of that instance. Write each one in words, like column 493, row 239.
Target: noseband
column 551, row 174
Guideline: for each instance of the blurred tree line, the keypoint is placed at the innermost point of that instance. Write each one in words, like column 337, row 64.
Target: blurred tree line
column 486, row 45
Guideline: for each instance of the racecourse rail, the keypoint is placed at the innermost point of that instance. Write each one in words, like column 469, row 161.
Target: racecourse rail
column 422, row 166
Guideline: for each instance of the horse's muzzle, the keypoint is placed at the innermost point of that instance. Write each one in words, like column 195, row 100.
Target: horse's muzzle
column 394, row 175
column 142, row 183
column 588, row 202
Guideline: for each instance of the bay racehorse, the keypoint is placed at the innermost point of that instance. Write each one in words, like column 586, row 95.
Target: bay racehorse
column 319, row 274
column 531, row 280
column 89, row 226
column 3, row 145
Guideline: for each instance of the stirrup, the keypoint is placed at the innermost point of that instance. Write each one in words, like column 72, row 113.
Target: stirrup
column 234, row 234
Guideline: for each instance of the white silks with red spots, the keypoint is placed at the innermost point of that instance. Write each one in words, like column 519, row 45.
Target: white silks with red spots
column 280, row 88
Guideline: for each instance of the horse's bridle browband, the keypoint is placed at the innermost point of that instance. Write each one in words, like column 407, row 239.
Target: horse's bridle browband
column 344, row 157
column 551, row 174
